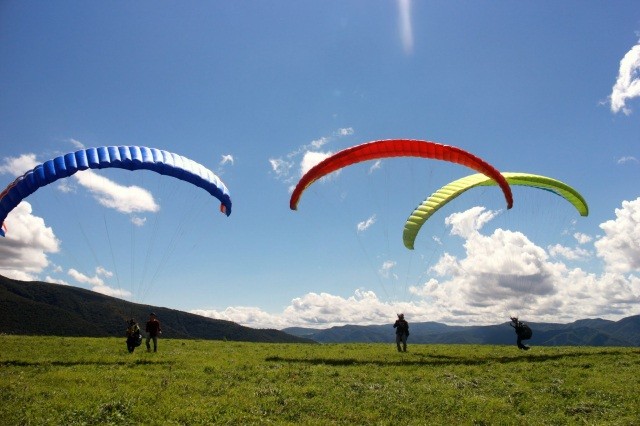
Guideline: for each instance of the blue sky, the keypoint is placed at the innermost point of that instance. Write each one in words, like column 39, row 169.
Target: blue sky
column 259, row 91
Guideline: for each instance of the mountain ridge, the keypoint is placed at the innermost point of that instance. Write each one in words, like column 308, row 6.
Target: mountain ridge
column 583, row 332
column 40, row 308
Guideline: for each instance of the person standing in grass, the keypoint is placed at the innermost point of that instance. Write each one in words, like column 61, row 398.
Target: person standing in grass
column 522, row 331
column 402, row 332
column 153, row 331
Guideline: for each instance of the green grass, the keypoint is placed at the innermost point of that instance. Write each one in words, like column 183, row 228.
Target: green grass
column 90, row 381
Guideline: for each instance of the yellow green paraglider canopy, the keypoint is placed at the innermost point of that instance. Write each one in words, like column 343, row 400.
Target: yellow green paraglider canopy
column 457, row 187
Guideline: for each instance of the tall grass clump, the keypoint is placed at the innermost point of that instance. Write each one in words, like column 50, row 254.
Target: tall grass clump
column 94, row 381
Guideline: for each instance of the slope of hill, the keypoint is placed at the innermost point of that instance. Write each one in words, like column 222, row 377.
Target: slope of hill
column 587, row 332
column 36, row 308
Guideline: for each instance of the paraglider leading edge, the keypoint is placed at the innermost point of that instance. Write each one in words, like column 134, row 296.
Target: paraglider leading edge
column 123, row 157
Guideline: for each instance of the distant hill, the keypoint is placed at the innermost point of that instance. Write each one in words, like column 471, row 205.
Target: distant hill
column 37, row 308
column 587, row 332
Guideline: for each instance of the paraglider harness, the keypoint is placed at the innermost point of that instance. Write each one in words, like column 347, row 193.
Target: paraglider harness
column 134, row 337
column 401, row 325
column 523, row 331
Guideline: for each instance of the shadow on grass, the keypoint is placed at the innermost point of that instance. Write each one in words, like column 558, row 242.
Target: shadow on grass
column 413, row 359
column 16, row 363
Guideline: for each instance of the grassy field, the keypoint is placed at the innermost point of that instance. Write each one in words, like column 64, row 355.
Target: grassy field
column 85, row 381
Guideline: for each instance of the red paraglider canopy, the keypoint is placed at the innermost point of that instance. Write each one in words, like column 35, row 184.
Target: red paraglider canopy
column 398, row 148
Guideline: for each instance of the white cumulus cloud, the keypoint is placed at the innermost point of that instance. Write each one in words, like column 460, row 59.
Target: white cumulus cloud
column 76, row 143
column 17, row 166
column 582, row 238
column 320, row 310
column 24, row 251
column 227, row 159
column 500, row 274
column 97, row 284
column 281, row 167
column 467, row 222
column 627, row 159
column 620, row 246
column 386, row 270
column 310, row 159
column 569, row 253
column 85, row 279
column 627, row 84
column 125, row 199
column 306, row 156
column 375, row 166
column 366, row 224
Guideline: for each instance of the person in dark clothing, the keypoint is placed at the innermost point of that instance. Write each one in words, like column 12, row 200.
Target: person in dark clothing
column 402, row 332
column 522, row 331
column 134, row 338
column 153, row 331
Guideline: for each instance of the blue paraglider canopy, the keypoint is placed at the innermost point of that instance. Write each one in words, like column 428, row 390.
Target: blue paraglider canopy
column 123, row 157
